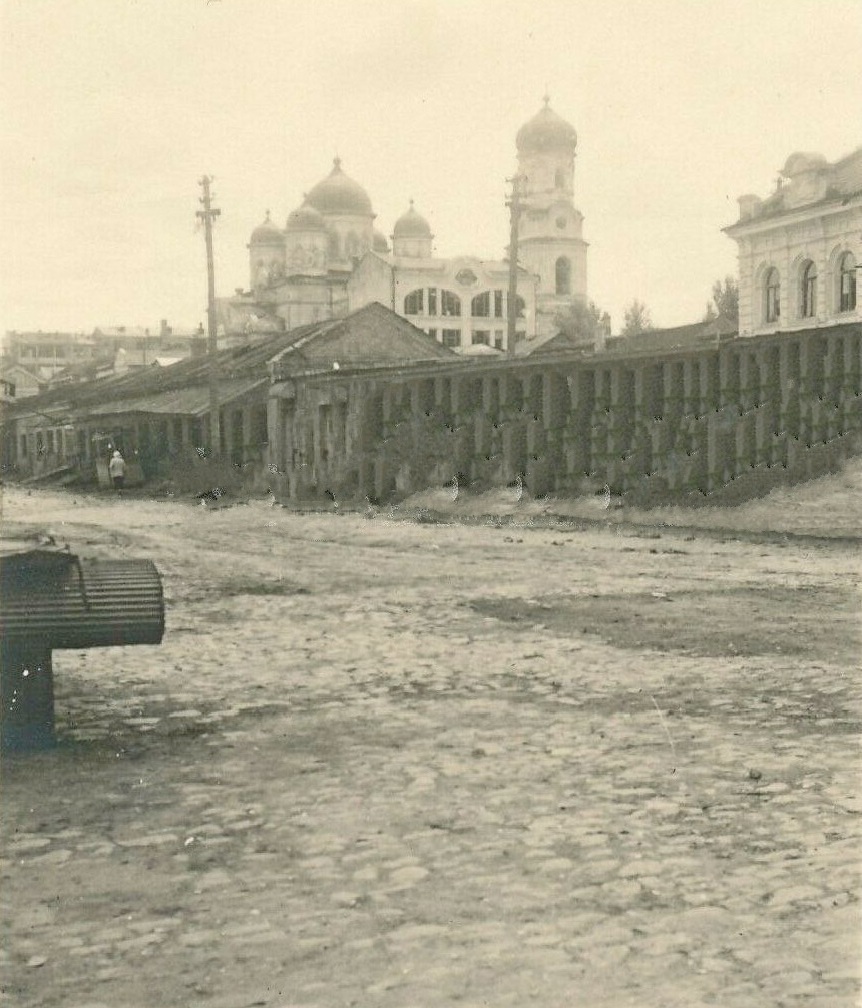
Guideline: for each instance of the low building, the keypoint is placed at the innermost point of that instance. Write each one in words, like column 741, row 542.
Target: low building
column 157, row 413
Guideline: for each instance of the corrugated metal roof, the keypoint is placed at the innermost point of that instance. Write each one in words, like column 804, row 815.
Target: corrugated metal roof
column 370, row 332
column 190, row 401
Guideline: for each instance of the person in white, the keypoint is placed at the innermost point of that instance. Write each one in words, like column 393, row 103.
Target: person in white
column 117, row 470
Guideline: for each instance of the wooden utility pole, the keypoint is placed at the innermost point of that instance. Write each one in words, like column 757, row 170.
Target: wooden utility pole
column 207, row 215
column 514, row 205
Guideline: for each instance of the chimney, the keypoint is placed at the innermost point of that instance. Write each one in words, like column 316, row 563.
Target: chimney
column 749, row 206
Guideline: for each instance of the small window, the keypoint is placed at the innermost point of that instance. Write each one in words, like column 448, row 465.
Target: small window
column 432, row 300
column 23, row 444
column 498, row 304
column 560, row 178
column 561, row 223
column 451, row 337
column 772, row 292
column 498, row 339
column 450, row 304
column 413, row 303
column 432, row 333
column 481, row 305
column 564, row 276
column 846, row 282
column 482, row 336
column 809, row 291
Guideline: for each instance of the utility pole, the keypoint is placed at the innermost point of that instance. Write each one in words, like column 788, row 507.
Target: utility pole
column 207, row 215
column 514, row 205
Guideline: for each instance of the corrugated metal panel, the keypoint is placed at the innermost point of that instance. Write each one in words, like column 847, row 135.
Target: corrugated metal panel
column 194, row 401
column 87, row 603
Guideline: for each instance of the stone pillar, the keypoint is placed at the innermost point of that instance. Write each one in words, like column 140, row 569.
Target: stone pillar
column 728, row 378
column 490, row 398
column 691, row 402
column 746, row 443
column 246, row 434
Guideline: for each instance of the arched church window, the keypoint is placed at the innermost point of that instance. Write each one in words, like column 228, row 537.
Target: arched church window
column 847, row 282
column 772, row 296
column 481, row 305
column 413, row 303
column 450, row 304
column 808, row 292
column 564, row 276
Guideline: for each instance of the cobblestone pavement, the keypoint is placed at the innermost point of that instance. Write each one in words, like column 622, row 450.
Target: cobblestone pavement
column 379, row 763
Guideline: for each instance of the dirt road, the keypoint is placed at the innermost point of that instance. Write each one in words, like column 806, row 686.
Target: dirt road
column 409, row 765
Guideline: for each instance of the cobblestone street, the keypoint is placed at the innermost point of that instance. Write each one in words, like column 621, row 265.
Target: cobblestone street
column 408, row 765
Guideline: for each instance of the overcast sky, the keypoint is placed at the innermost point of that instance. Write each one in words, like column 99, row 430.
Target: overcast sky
column 112, row 110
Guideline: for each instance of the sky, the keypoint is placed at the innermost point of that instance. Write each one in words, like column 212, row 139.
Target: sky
column 112, row 110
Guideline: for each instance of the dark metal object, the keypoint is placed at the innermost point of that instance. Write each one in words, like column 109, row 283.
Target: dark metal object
column 51, row 599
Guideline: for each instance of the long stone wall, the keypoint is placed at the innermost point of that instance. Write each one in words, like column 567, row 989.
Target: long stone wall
column 644, row 424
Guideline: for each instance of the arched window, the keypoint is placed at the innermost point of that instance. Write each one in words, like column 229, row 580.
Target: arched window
column 560, row 178
column 450, row 304
column 772, row 296
column 480, row 307
column 564, row 276
column 413, row 303
column 808, row 292
column 847, row 282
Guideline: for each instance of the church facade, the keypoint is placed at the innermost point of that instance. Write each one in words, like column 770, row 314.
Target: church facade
column 330, row 259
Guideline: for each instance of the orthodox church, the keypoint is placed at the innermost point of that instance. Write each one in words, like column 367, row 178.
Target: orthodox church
column 330, row 259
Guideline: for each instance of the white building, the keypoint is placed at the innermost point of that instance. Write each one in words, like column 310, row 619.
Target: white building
column 330, row 258
column 800, row 249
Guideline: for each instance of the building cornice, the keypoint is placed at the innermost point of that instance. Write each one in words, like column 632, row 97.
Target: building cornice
column 814, row 211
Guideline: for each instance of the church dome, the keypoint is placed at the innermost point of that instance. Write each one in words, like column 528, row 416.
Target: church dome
column 339, row 194
column 546, row 131
column 305, row 218
column 411, row 225
column 379, row 242
column 266, row 233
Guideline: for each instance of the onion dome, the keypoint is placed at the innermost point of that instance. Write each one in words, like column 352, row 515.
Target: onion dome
column 339, row 194
column 546, row 131
column 266, row 233
column 305, row 218
column 411, row 225
column 379, row 242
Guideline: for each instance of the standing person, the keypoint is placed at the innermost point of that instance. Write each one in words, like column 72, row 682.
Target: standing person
column 117, row 470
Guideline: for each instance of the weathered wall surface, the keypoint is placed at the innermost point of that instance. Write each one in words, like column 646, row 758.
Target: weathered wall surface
column 644, row 424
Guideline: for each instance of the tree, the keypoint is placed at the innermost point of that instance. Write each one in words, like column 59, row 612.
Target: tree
column 725, row 300
column 583, row 322
column 636, row 319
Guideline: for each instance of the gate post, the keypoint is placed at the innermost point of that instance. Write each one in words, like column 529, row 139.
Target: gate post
column 26, row 696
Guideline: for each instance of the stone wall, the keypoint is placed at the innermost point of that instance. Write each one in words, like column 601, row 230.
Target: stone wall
column 647, row 425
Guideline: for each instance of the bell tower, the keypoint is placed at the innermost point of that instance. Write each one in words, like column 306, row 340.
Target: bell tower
column 550, row 242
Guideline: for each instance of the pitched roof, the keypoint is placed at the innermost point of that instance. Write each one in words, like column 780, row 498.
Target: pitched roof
column 373, row 333
column 694, row 334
